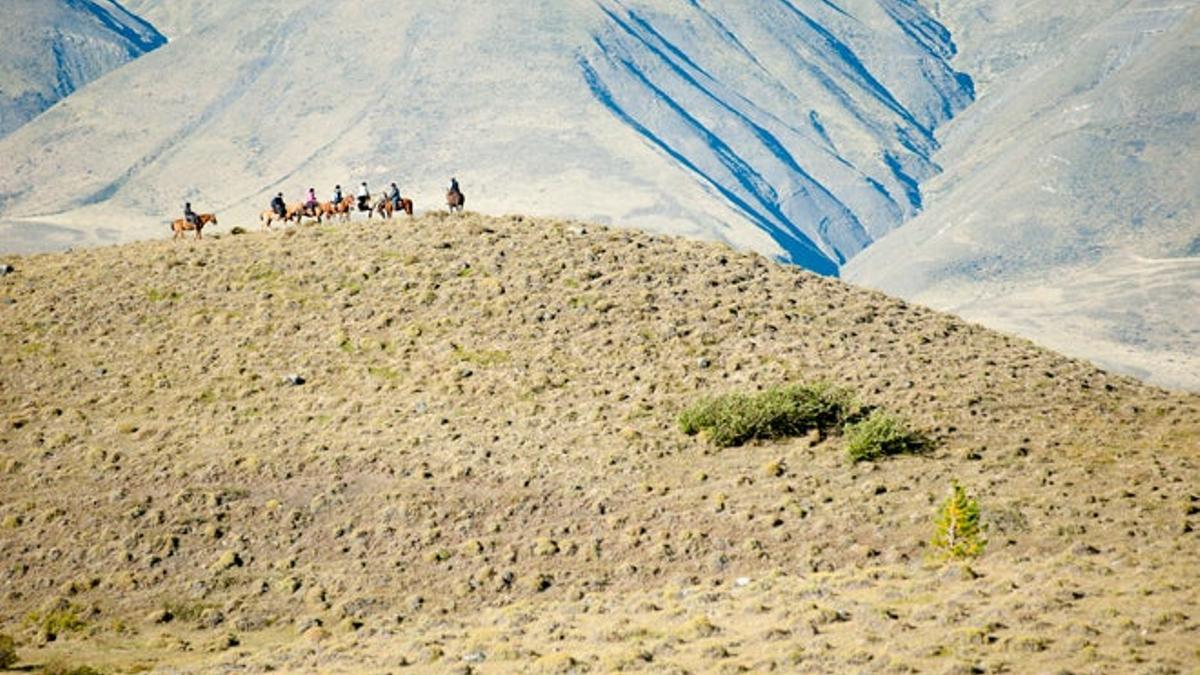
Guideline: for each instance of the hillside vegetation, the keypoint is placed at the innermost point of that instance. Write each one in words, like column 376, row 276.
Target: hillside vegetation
column 456, row 443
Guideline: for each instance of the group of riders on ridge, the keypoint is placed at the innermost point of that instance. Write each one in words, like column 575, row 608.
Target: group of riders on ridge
column 309, row 207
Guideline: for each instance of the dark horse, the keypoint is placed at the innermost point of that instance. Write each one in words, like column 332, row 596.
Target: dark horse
column 456, row 200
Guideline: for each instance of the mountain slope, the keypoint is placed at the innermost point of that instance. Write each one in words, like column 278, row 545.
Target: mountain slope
column 50, row 48
column 452, row 441
column 1068, row 212
column 795, row 128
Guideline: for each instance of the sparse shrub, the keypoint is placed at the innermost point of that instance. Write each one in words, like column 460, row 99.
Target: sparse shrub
column 238, row 229
column 698, row 627
column 958, row 531
column 483, row 358
column 544, row 546
column 59, row 619
column 63, row 668
column 8, row 651
column 158, row 295
column 778, row 412
column 879, row 435
column 189, row 612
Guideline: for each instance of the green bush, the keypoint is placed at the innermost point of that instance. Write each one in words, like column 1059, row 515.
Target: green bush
column 8, row 651
column 958, row 531
column 879, row 435
column 57, row 620
column 778, row 412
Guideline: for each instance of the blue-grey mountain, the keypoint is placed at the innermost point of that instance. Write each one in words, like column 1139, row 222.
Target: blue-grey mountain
column 50, row 48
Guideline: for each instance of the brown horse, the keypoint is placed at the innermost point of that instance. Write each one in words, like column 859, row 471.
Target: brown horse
column 292, row 212
column 385, row 208
column 455, row 200
column 301, row 212
column 341, row 209
column 182, row 225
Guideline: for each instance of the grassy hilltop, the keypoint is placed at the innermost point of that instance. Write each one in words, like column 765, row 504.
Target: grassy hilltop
column 454, row 443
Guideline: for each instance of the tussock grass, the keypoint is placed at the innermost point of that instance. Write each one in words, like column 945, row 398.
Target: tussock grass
column 8, row 651
column 59, row 667
column 138, row 445
column 57, row 620
column 778, row 412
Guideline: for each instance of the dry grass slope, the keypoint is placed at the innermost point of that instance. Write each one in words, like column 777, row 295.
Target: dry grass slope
column 452, row 443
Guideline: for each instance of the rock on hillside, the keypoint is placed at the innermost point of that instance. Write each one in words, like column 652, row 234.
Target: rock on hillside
column 50, row 48
column 451, row 441
column 1068, row 212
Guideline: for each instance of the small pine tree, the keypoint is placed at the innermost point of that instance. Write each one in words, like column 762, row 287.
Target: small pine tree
column 958, row 532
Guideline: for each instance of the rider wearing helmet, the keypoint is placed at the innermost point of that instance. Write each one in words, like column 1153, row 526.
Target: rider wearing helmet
column 188, row 214
column 337, row 195
column 393, row 196
column 278, row 206
column 454, row 186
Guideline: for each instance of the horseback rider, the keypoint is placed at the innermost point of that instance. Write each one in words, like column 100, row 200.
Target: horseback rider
column 364, row 197
column 310, row 201
column 454, row 186
column 188, row 214
column 278, row 206
column 393, row 196
column 337, row 195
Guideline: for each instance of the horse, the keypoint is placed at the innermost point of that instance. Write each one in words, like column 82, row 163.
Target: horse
column 182, row 225
column 455, row 199
column 342, row 209
column 302, row 211
column 385, row 208
column 290, row 213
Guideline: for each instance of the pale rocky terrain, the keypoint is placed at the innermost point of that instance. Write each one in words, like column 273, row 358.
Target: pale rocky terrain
column 50, row 48
column 1068, row 211
column 796, row 129
column 449, row 444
